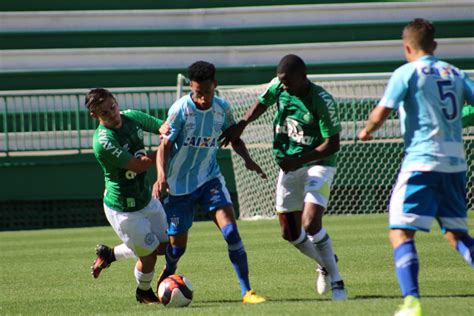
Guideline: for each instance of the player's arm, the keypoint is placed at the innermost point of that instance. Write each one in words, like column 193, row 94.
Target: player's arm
column 256, row 110
column 109, row 150
column 162, row 156
column 240, row 148
column 234, row 132
column 394, row 94
column 376, row 119
column 329, row 147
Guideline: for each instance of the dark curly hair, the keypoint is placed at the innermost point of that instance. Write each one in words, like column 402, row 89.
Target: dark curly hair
column 97, row 96
column 291, row 64
column 420, row 33
column 201, row 71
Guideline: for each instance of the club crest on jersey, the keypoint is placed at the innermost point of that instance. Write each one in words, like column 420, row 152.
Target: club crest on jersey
column 201, row 142
column 139, row 133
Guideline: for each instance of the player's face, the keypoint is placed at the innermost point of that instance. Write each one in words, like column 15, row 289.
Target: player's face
column 294, row 83
column 203, row 93
column 108, row 113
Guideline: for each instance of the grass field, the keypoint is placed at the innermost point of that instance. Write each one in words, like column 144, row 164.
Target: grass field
column 47, row 272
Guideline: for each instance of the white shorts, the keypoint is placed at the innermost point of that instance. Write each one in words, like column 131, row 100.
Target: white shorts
column 308, row 184
column 143, row 230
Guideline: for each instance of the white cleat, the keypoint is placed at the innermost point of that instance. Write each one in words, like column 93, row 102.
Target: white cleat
column 339, row 293
column 323, row 281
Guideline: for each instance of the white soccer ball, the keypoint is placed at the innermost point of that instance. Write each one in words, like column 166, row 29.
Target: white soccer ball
column 175, row 291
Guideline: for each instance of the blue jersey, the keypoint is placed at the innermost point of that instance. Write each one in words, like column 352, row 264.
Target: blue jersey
column 193, row 157
column 429, row 95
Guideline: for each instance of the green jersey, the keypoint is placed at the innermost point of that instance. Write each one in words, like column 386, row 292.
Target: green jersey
column 125, row 190
column 468, row 115
column 301, row 124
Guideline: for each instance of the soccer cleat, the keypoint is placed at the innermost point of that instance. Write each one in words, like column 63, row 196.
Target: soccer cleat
column 339, row 293
column 411, row 307
column 105, row 256
column 164, row 274
column 252, row 298
column 146, row 296
column 323, row 280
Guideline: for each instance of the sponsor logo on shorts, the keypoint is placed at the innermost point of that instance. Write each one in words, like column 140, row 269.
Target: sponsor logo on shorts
column 149, row 239
column 174, row 221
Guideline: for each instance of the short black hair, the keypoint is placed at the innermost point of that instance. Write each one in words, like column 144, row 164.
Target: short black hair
column 201, row 71
column 291, row 64
column 420, row 33
column 97, row 96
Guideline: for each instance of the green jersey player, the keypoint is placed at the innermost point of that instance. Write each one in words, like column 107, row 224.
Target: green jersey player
column 306, row 139
column 138, row 220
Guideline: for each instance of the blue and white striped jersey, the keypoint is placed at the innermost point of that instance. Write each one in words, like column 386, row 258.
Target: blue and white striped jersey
column 429, row 95
column 193, row 157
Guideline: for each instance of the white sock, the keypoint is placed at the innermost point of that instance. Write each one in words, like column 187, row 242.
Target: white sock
column 123, row 252
column 323, row 245
column 144, row 279
column 303, row 244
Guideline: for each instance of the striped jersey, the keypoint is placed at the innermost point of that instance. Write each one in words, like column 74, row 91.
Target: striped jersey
column 429, row 95
column 194, row 133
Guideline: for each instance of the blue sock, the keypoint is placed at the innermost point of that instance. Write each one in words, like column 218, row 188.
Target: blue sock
column 237, row 255
column 406, row 266
column 465, row 246
column 172, row 256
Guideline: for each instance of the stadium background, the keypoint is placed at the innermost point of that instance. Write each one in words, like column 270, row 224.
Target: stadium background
column 80, row 45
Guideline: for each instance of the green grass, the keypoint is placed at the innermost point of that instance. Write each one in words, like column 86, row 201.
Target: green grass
column 47, row 272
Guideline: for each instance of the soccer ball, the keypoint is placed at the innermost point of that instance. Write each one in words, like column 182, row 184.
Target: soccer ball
column 175, row 291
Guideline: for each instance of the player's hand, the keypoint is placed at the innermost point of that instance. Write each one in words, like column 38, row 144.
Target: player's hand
column 364, row 135
column 165, row 129
column 288, row 164
column 231, row 134
column 253, row 166
column 160, row 186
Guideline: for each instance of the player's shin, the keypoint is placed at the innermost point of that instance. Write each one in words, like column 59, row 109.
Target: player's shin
column 406, row 266
column 237, row 255
column 304, row 245
column 143, row 279
column 323, row 245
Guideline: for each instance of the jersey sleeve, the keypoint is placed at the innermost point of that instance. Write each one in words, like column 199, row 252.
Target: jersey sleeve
column 176, row 120
column 108, row 150
column 397, row 87
column 329, row 123
column 229, row 116
column 468, row 115
column 468, row 86
column 270, row 95
column 150, row 123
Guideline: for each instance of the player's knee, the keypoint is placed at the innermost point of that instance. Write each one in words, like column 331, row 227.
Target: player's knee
column 231, row 234
column 312, row 228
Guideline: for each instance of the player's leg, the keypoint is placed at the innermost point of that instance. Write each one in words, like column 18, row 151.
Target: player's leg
column 179, row 213
column 317, row 184
column 216, row 200
column 106, row 255
column 413, row 205
column 452, row 215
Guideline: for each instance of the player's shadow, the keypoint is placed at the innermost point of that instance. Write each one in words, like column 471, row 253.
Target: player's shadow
column 369, row 297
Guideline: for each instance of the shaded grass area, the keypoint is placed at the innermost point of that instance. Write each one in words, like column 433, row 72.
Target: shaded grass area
column 47, row 272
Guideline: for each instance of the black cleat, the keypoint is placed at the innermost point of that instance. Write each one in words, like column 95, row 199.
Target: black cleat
column 105, row 256
column 146, row 297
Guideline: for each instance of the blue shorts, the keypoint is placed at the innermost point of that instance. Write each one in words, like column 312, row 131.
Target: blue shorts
column 418, row 197
column 179, row 209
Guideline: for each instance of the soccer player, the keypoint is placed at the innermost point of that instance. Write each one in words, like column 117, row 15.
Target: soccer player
column 187, row 168
column 428, row 94
column 306, row 129
column 138, row 220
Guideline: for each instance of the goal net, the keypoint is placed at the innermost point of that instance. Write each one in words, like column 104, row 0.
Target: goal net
column 366, row 172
